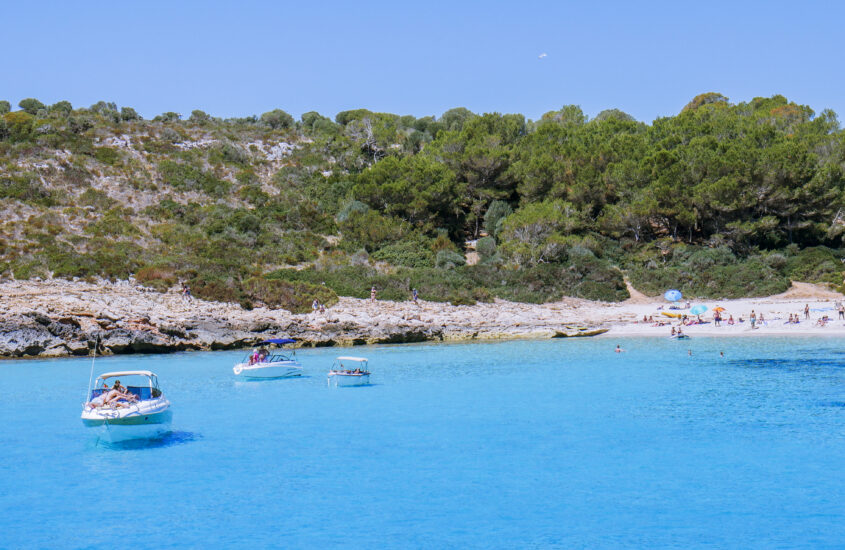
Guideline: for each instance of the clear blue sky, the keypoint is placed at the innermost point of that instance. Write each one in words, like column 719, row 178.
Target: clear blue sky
column 421, row 58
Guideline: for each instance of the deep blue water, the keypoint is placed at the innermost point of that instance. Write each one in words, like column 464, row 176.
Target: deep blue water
column 539, row 444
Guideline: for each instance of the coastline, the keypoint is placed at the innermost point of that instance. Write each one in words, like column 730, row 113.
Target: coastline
column 57, row 318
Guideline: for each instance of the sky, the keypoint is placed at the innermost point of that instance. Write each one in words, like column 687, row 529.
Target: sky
column 421, row 58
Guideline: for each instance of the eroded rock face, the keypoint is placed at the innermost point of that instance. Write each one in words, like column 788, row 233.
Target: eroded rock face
column 60, row 318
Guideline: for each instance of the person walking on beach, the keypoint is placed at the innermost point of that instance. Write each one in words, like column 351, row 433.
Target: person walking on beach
column 373, row 294
column 717, row 319
column 186, row 292
column 806, row 311
column 753, row 320
column 414, row 295
column 315, row 305
column 841, row 311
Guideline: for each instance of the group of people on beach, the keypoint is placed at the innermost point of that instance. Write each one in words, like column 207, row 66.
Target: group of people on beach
column 118, row 396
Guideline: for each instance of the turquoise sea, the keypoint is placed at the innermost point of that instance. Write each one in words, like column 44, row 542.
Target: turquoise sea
column 523, row 444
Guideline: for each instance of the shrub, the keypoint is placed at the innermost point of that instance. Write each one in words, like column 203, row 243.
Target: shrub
column 415, row 251
column 5, row 107
column 27, row 189
column 186, row 177
column 447, row 259
column 294, row 296
column 160, row 278
column 31, row 106
column 129, row 114
column 277, row 119
column 107, row 155
column 96, row 198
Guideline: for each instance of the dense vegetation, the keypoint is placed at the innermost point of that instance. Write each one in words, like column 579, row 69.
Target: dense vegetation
column 721, row 200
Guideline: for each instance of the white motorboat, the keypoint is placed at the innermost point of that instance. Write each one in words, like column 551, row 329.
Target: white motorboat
column 344, row 375
column 262, row 365
column 141, row 412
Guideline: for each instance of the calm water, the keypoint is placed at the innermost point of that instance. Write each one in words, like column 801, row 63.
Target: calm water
column 557, row 443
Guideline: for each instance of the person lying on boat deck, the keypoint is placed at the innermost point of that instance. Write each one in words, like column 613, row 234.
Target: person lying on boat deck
column 119, row 393
column 98, row 401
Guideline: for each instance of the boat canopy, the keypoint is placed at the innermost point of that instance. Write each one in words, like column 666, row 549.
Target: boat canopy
column 359, row 359
column 126, row 373
column 279, row 341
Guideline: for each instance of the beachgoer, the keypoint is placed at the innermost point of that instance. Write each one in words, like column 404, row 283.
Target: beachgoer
column 262, row 355
column 717, row 319
column 315, row 305
column 687, row 305
column 689, row 352
column 761, row 320
column 673, row 331
column 721, row 354
column 753, row 319
column 618, row 349
column 253, row 359
column 373, row 294
column 414, row 295
column 806, row 311
column 186, row 292
column 730, row 319
column 841, row 311
column 322, row 307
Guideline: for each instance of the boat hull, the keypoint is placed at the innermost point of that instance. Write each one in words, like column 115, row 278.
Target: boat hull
column 344, row 380
column 144, row 420
column 268, row 371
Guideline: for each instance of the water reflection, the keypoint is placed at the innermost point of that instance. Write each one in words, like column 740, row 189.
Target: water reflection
column 169, row 439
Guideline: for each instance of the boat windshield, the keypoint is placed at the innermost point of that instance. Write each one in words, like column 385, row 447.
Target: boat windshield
column 276, row 357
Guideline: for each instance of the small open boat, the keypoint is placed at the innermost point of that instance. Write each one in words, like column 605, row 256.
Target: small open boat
column 262, row 365
column 140, row 412
column 344, row 375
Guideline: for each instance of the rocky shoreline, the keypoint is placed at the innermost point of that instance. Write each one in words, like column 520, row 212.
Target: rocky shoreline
column 59, row 318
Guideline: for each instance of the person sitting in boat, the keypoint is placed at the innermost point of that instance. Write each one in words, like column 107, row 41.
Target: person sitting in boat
column 253, row 359
column 262, row 355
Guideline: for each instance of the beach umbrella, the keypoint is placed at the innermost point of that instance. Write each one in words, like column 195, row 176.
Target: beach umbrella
column 719, row 309
column 698, row 310
column 673, row 295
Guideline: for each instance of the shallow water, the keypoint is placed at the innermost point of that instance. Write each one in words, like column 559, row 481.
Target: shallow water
column 554, row 443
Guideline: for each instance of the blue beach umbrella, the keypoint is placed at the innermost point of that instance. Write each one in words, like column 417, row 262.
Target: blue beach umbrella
column 698, row 310
column 673, row 295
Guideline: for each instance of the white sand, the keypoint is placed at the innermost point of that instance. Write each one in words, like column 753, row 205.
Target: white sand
column 774, row 309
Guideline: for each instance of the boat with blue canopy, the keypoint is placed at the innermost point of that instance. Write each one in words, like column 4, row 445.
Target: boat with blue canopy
column 264, row 364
